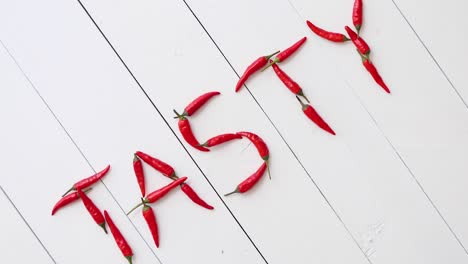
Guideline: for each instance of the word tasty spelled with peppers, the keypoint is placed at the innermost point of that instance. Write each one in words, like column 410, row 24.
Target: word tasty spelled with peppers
column 83, row 188
column 360, row 44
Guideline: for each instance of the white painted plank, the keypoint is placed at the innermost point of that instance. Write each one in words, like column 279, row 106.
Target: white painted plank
column 116, row 121
column 16, row 234
column 285, row 210
column 441, row 25
column 424, row 118
column 39, row 163
column 360, row 158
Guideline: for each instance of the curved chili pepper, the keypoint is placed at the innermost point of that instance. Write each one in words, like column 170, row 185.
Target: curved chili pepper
column 85, row 183
column 186, row 131
column 357, row 14
column 140, row 175
column 150, row 218
column 191, row 108
column 220, row 139
column 158, row 165
column 374, row 73
column 194, row 196
column 282, row 56
column 258, row 142
column 254, row 67
column 250, row 182
column 288, row 82
column 160, row 193
column 92, row 209
column 332, row 36
column 310, row 112
column 67, row 199
column 359, row 42
column 119, row 238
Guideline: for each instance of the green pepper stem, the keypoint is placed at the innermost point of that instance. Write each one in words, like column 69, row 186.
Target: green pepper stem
column 71, row 189
column 276, row 60
column 103, row 225
column 301, row 93
column 134, row 208
column 268, row 168
column 235, row 191
column 302, row 104
column 129, row 258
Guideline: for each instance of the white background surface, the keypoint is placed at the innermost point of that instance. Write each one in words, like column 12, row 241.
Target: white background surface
column 85, row 84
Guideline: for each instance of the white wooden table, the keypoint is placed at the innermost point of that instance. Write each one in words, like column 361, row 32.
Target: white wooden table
column 85, row 84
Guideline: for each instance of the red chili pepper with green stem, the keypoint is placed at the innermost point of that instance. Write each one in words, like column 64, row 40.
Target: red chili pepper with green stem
column 85, row 183
column 140, row 175
column 289, row 82
column 282, row 56
column 220, row 139
column 359, row 42
column 164, row 168
column 191, row 108
column 312, row 114
column 93, row 210
column 186, row 131
column 250, row 182
column 254, row 67
column 194, row 196
column 357, row 14
column 119, row 238
column 260, row 145
column 258, row 142
column 160, row 193
column 150, row 218
column 374, row 73
column 331, row 36
column 66, row 200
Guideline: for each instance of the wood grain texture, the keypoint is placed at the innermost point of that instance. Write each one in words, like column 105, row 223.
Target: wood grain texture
column 387, row 189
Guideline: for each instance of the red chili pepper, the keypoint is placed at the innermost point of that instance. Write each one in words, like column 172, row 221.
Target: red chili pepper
column 158, row 194
column 194, row 196
column 357, row 14
column 158, row 165
column 85, row 183
column 66, row 200
column 254, row 67
column 198, row 102
column 119, row 238
column 92, row 209
column 332, row 36
column 282, row 56
column 359, row 42
column 150, row 219
column 186, row 131
column 140, row 175
column 220, row 139
column 310, row 112
column 288, row 82
column 374, row 73
column 250, row 182
column 259, row 144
